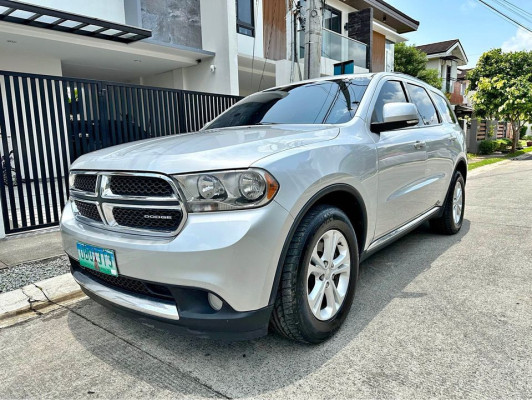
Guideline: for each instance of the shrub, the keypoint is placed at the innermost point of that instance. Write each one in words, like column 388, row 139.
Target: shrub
column 487, row 146
column 522, row 132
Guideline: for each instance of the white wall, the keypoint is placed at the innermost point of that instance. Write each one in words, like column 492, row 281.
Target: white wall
column 29, row 63
column 246, row 43
column 109, row 10
column 170, row 79
column 218, row 32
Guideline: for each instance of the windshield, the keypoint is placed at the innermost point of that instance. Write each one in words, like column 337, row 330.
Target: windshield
column 322, row 102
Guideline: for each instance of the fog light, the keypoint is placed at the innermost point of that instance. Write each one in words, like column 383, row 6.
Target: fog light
column 215, row 302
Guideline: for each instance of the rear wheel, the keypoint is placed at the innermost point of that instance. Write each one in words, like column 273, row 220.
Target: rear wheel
column 319, row 276
column 451, row 220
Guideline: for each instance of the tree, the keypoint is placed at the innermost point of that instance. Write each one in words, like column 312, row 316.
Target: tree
column 503, row 88
column 412, row 61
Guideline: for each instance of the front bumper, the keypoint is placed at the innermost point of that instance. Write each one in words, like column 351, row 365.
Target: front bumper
column 232, row 254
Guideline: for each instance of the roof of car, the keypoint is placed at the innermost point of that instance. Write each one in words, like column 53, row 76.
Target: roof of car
column 369, row 75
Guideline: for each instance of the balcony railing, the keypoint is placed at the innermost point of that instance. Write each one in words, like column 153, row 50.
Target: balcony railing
column 338, row 47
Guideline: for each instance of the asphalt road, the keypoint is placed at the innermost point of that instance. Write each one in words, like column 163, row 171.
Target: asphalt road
column 434, row 316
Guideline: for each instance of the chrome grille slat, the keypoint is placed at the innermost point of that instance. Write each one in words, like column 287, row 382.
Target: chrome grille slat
column 140, row 203
column 127, row 185
column 136, row 218
column 88, row 210
column 85, row 182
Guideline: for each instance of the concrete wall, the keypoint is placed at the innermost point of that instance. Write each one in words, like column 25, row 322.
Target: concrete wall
column 29, row 63
column 173, row 21
column 246, row 43
column 109, row 10
column 220, row 38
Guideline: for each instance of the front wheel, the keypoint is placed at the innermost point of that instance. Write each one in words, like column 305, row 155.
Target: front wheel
column 451, row 220
column 319, row 277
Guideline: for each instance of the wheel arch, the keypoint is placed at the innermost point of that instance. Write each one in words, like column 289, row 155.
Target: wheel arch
column 343, row 196
column 461, row 166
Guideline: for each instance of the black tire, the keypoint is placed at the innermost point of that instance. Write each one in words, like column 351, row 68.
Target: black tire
column 292, row 316
column 445, row 224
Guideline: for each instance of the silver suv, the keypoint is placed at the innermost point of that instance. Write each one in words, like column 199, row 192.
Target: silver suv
column 262, row 218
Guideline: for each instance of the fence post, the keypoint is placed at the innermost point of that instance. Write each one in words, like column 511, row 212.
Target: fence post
column 181, row 117
column 472, row 143
column 2, row 222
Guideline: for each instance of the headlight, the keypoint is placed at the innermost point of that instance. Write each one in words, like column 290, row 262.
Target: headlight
column 227, row 190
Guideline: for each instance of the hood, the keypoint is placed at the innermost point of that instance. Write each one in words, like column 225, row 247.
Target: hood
column 215, row 149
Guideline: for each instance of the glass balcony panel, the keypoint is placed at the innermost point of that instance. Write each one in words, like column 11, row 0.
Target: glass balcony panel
column 337, row 47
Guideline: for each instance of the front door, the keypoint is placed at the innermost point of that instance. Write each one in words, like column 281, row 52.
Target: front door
column 402, row 159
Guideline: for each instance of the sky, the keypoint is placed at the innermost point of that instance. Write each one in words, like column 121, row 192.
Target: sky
column 478, row 28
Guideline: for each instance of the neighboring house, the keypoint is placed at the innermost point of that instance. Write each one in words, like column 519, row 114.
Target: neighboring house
column 445, row 57
column 460, row 97
column 221, row 46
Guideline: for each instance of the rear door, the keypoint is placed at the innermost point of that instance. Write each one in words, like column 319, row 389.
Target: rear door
column 402, row 160
column 444, row 149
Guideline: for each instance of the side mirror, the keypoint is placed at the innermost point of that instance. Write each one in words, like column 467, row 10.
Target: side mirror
column 396, row 116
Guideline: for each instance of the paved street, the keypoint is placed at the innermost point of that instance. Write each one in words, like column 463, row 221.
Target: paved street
column 434, row 316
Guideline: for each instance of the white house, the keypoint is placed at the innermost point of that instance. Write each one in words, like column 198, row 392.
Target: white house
column 445, row 57
column 221, row 46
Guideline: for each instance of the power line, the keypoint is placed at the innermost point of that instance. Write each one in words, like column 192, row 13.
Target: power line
column 505, row 16
column 512, row 10
column 519, row 9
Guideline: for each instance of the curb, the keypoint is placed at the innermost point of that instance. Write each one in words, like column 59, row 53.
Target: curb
column 489, row 167
column 32, row 298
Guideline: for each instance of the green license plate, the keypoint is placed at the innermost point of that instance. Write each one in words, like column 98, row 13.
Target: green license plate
column 98, row 259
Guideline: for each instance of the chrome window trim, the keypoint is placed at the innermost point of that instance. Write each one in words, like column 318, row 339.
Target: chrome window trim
column 106, row 201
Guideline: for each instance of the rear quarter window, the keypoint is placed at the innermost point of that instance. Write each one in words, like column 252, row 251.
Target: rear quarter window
column 444, row 108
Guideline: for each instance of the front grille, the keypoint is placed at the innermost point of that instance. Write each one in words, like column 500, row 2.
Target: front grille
column 85, row 182
column 146, row 203
column 88, row 210
column 127, row 284
column 140, row 186
column 146, row 218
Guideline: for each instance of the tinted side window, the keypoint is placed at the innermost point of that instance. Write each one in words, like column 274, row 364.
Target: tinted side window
column 391, row 92
column 445, row 109
column 425, row 107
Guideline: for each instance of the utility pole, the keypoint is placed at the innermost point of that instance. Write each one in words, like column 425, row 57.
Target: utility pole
column 313, row 39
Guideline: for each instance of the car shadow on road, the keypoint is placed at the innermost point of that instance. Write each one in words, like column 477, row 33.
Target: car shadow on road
column 259, row 366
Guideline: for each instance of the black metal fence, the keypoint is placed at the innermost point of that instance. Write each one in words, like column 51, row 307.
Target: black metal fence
column 46, row 122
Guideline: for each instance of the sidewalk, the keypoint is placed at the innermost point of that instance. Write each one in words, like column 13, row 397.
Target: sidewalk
column 29, row 247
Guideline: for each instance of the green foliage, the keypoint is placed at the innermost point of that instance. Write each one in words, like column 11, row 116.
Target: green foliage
column 522, row 132
column 487, row 147
column 431, row 77
column 502, row 144
column 503, row 85
column 411, row 61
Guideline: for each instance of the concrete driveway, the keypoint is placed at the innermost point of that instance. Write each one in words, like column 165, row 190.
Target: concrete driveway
column 434, row 316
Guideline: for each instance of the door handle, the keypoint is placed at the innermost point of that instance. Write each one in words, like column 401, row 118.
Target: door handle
column 420, row 144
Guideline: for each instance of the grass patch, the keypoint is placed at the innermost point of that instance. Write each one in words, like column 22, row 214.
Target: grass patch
column 498, row 159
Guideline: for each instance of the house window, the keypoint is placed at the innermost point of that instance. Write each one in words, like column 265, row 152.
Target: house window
column 332, row 19
column 448, row 79
column 245, row 23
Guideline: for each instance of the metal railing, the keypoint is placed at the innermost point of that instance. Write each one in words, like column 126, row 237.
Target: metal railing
column 338, row 47
column 46, row 122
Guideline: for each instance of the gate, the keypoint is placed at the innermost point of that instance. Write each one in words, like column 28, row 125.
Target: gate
column 46, row 122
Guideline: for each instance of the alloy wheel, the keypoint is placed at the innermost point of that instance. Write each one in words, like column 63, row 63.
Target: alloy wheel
column 328, row 275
